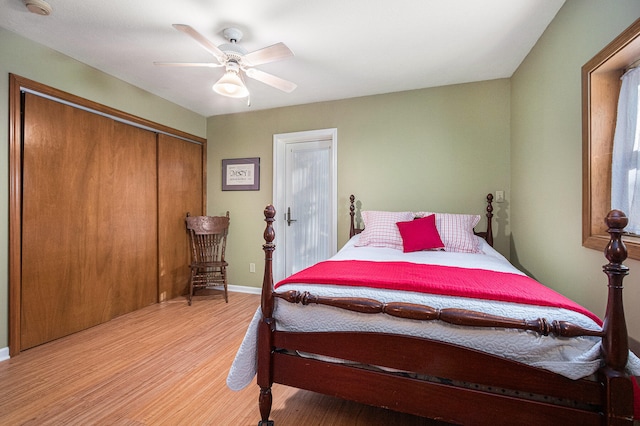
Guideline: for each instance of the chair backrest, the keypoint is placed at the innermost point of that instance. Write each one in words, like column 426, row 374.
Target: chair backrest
column 208, row 235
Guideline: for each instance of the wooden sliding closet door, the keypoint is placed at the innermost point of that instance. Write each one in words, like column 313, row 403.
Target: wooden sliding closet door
column 89, row 225
column 180, row 190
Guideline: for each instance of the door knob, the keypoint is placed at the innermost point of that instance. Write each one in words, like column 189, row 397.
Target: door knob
column 289, row 220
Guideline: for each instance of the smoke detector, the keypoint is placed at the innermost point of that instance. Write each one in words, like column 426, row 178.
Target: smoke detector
column 39, row 7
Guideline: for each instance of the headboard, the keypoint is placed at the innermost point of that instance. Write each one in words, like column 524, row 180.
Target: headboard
column 487, row 235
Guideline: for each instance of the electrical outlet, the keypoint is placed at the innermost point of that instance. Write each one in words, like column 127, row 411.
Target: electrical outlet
column 252, row 267
column 499, row 196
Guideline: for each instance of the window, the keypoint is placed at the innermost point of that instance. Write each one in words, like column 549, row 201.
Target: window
column 600, row 90
column 625, row 179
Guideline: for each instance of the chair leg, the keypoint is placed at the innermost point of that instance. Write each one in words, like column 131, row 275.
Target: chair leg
column 190, row 295
column 226, row 293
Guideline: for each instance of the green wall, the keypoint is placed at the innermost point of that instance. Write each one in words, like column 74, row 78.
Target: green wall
column 439, row 149
column 31, row 60
column 546, row 156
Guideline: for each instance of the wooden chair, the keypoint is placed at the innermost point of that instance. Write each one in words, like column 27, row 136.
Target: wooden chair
column 208, row 235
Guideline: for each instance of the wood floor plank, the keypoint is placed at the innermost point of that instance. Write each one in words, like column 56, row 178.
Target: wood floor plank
column 165, row 364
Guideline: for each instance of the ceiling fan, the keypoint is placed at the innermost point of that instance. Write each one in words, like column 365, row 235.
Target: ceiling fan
column 237, row 61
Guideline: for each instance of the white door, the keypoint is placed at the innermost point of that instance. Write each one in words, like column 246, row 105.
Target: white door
column 305, row 199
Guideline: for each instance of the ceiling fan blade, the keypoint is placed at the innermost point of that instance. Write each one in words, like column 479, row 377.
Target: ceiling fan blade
column 188, row 64
column 272, row 53
column 271, row 80
column 202, row 40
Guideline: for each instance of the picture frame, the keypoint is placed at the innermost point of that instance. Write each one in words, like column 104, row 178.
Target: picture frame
column 241, row 174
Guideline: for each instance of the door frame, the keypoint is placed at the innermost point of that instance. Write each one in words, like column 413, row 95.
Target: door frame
column 280, row 142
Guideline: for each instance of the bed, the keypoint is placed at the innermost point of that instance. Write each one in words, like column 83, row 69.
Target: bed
column 487, row 358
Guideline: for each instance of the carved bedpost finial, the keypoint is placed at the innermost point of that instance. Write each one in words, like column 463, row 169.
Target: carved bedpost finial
column 615, row 340
column 269, row 233
column 489, row 205
column 616, row 251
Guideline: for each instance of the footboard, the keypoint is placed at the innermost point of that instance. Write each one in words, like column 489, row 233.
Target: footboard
column 433, row 379
column 442, row 380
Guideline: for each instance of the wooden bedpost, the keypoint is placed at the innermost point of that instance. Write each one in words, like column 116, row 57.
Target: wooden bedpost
column 489, row 236
column 615, row 344
column 267, row 325
column 352, row 208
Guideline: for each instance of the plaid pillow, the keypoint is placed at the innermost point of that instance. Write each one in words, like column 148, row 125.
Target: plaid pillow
column 456, row 231
column 380, row 229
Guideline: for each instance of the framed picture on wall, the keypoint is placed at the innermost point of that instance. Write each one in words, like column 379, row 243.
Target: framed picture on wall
column 241, row 174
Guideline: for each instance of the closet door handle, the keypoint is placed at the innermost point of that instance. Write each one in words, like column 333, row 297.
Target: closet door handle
column 289, row 220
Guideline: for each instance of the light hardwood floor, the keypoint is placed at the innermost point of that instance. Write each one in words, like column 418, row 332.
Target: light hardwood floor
column 165, row 364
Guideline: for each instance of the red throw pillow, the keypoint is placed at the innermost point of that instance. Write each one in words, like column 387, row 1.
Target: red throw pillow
column 420, row 234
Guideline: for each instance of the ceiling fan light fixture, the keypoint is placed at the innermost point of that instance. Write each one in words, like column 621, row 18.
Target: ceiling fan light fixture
column 231, row 85
column 236, row 61
column 39, row 7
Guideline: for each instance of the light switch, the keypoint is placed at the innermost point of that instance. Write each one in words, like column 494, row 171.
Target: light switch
column 499, row 196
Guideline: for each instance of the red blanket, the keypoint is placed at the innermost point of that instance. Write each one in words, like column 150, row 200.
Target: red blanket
column 436, row 279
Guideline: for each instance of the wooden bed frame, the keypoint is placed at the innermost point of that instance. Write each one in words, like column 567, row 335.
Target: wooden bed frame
column 462, row 385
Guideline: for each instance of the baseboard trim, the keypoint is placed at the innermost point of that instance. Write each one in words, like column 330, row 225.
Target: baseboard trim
column 237, row 289
column 4, row 354
column 245, row 289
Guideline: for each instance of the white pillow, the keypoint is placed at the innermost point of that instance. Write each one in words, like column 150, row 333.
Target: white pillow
column 380, row 229
column 456, row 231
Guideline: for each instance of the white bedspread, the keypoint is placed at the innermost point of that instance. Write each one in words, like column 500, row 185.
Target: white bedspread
column 573, row 358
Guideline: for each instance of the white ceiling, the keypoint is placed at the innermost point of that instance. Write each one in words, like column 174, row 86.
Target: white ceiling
column 343, row 48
